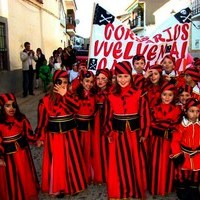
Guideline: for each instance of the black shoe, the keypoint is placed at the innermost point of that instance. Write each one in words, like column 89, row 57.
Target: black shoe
column 24, row 96
column 60, row 196
column 32, row 94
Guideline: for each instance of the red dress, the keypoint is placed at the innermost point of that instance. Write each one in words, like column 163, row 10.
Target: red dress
column 153, row 94
column 164, row 118
column 126, row 120
column 186, row 139
column 63, row 168
column 18, row 179
column 100, row 150
column 85, row 121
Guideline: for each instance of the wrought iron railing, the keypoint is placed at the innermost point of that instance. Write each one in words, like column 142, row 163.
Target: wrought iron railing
column 195, row 7
column 136, row 23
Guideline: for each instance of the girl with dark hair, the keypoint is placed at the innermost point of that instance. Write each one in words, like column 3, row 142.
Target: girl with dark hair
column 192, row 78
column 85, row 119
column 126, row 122
column 165, row 116
column 16, row 163
column 153, row 84
column 186, row 152
column 63, row 168
column 100, row 151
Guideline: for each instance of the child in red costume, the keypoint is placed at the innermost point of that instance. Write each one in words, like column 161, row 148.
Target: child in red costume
column 164, row 117
column 18, row 179
column 126, row 123
column 85, row 119
column 153, row 84
column 100, row 158
column 192, row 77
column 63, row 168
column 184, row 93
column 186, row 152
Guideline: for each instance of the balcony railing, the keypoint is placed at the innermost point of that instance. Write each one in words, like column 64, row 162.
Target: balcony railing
column 195, row 8
column 136, row 23
column 71, row 25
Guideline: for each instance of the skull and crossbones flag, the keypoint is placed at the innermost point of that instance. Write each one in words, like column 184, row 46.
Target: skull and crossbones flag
column 102, row 17
column 184, row 16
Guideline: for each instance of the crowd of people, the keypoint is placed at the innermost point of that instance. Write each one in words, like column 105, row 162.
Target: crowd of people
column 36, row 64
column 135, row 130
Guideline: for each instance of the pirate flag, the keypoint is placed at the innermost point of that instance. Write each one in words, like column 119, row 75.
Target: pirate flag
column 102, row 17
column 92, row 64
column 184, row 16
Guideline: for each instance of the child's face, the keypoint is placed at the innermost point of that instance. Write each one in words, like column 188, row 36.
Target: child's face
column 88, row 83
column 123, row 80
column 82, row 68
column 138, row 65
column 155, row 77
column 10, row 108
column 167, row 96
column 62, row 81
column 188, row 79
column 184, row 96
column 168, row 65
column 101, row 81
column 193, row 113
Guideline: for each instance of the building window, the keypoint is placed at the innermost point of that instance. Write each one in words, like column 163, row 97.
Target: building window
column 3, row 47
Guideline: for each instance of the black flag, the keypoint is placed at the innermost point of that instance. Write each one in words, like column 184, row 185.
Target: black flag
column 184, row 16
column 102, row 17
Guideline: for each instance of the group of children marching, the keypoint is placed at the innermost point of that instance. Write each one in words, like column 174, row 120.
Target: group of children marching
column 136, row 131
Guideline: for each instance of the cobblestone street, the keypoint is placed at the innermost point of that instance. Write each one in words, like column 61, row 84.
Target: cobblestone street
column 94, row 192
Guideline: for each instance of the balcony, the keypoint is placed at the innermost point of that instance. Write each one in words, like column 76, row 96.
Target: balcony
column 136, row 24
column 136, row 20
column 196, row 10
column 71, row 26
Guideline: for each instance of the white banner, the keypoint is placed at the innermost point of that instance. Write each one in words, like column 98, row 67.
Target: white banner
column 112, row 42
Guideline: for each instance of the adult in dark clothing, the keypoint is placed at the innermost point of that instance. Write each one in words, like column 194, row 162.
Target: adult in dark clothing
column 39, row 63
column 27, row 57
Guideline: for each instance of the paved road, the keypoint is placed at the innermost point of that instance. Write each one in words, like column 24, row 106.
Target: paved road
column 28, row 106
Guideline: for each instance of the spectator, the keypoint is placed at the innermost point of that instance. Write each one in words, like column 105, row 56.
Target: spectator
column 74, row 72
column 39, row 63
column 27, row 57
column 45, row 75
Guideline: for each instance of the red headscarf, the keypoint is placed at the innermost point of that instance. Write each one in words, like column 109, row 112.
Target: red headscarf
column 192, row 102
column 194, row 73
column 185, row 88
column 123, row 67
column 59, row 74
column 105, row 71
column 167, row 86
column 157, row 67
column 6, row 97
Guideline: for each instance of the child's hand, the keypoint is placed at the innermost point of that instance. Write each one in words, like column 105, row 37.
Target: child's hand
column 148, row 73
column 59, row 89
column 39, row 143
column 2, row 163
column 167, row 77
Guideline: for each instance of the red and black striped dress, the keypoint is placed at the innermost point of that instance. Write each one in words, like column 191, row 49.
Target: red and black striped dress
column 85, row 121
column 63, row 168
column 18, row 179
column 126, row 120
column 164, row 118
column 100, row 141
